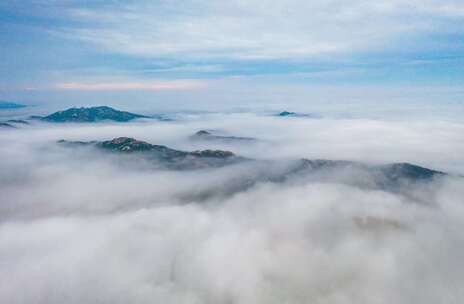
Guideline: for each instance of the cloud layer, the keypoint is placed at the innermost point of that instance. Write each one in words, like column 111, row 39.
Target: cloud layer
column 263, row 29
column 80, row 226
column 137, row 45
column 140, row 86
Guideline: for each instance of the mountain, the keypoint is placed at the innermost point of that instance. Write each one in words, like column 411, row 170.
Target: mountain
column 17, row 121
column 406, row 179
column 286, row 113
column 92, row 114
column 159, row 155
column 208, row 136
column 10, row 105
column 6, row 125
column 384, row 174
column 391, row 176
column 11, row 124
column 294, row 114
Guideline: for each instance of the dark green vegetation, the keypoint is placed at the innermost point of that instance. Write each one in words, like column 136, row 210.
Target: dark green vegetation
column 92, row 114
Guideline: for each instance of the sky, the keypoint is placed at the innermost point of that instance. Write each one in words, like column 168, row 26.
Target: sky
column 210, row 53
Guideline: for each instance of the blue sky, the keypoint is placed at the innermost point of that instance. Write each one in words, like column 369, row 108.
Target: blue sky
column 55, row 50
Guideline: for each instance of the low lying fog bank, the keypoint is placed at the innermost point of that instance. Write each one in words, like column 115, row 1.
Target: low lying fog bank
column 431, row 143
column 82, row 227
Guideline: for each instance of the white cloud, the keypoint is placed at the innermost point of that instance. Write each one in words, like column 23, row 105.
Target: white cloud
column 130, row 86
column 261, row 29
column 80, row 227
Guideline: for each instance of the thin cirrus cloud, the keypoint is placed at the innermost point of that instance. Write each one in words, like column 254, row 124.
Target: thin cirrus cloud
column 262, row 29
column 356, row 41
column 127, row 86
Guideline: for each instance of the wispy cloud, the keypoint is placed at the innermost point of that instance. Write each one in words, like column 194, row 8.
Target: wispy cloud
column 125, row 86
column 260, row 29
column 120, row 45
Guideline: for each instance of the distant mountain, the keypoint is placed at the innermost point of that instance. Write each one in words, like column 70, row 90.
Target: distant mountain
column 6, row 125
column 10, row 124
column 208, row 136
column 92, row 114
column 35, row 117
column 161, row 156
column 10, row 105
column 294, row 114
column 390, row 173
column 17, row 121
column 286, row 113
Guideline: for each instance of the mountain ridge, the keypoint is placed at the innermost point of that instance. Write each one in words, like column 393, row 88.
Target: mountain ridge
column 399, row 178
column 10, row 105
column 204, row 135
column 91, row 114
column 128, row 145
column 165, row 156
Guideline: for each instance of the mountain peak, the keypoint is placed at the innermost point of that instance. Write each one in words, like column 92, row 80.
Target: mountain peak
column 213, row 153
column 286, row 113
column 295, row 114
column 206, row 135
column 202, row 133
column 162, row 155
column 126, row 144
column 91, row 114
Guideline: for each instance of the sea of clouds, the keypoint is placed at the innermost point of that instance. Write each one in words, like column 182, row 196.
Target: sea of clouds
column 79, row 226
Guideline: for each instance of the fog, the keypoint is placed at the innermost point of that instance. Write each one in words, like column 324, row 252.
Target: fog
column 85, row 226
